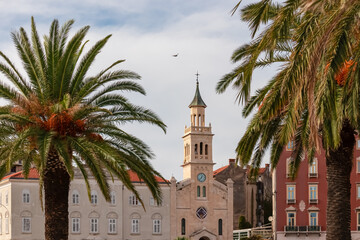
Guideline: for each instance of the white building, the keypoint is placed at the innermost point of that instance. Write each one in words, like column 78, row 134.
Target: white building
column 21, row 216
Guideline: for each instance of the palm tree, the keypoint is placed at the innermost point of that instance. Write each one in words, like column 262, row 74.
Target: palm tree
column 314, row 99
column 58, row 117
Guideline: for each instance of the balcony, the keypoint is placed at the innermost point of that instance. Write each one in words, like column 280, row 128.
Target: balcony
column 313, row 175
column 313, row 201
column 290, row 201
column 302, row 230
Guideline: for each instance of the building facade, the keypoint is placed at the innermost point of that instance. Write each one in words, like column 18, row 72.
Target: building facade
column 21, row 216
column 300, row 204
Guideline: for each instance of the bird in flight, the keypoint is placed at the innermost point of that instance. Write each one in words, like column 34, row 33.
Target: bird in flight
column 175, row 55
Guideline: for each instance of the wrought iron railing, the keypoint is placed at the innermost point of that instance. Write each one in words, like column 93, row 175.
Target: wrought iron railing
column 302, row 229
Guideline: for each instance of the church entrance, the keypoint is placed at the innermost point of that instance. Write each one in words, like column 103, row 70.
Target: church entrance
column 204, row 238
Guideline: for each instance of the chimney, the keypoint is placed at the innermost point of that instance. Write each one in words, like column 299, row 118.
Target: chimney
column 231, row 161
column 267, row 166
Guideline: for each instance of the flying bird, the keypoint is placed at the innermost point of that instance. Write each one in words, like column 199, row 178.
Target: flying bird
column 175, row 55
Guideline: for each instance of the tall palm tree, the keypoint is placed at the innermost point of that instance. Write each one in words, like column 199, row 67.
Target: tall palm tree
column 314, row 99
column 59, row 117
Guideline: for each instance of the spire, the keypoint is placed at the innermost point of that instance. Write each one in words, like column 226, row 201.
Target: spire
column 197, row 101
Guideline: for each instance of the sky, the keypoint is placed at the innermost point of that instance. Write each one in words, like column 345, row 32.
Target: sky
column 146, row 34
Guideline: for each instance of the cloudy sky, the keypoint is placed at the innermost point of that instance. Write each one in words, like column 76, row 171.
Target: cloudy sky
column 147, row 33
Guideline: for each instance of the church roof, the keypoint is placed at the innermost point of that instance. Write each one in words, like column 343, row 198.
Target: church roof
column 197, row 101
column 33, row 174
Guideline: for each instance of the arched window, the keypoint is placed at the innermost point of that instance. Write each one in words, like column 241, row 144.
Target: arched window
column 206, row 149
column 220, row 227
column 196, row 149
column 75, row 197
column 183, row 232
column 94, row 197
column 198, row 191
column 201, row 148
column 204, row 191
column 199, row 120
column 194, row 119
column 26, row 196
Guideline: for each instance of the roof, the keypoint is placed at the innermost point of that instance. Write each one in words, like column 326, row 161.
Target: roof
column 197, row 101
column 135, row 178
column 220, row 170
column 33, row 174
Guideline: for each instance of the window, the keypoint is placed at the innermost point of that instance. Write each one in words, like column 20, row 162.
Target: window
column 112, row 198
column 6, row 198
column 291, row 194
column 313, row 192
column 94, row 227
column 204, row 191
column 153, row 202
column 291, row 221
column 196, row 149
column 220, row 227
column 94, row 197
column 75, row 197
column 198, row 191
column 313, row 218
column 135, row 226
column 290, row 146
column 201, row 148
column 156, row 226
column 358, row 190
column 289, row 167
column 358, row 165
column 26, row 196
column 6, row 223
column 183, row 232
column 358, row 144
column 358, row 220
column 133, row 200
column 313, row 169
column 26, row 225
column 112, row 226
column 206, row 149
column 75, row 225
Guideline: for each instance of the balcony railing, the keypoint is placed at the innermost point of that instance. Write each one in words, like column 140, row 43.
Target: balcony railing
column 313, row 175
column 291, row 201
column 302, row 230
column 313, row 201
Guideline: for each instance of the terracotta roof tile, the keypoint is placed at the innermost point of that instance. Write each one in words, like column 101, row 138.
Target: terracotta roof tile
column 33, row 174
column 135, row 178
column 217, row 171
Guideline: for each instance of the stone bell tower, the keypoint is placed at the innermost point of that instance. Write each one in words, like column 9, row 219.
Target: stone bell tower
column 197, row 140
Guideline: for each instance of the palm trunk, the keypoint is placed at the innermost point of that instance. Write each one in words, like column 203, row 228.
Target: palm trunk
column 339, row 164
column 56, row 186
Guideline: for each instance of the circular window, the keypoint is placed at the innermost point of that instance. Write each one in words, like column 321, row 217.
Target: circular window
column 201, row 213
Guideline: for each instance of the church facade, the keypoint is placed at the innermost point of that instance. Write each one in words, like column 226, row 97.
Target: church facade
column 201, row 207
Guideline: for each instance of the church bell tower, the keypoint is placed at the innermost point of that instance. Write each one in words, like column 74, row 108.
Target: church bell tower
column 198, row 162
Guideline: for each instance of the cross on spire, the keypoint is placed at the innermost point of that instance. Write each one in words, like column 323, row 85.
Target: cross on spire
column 197, row 77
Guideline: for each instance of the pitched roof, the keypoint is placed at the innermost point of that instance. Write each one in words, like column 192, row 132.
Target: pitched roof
column 33, row 174
column 135, row 178
column 220, row 170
